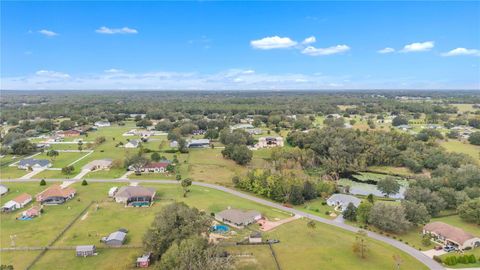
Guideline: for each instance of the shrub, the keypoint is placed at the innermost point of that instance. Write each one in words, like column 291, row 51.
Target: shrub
column 437, row 258
column 472, row 259
column 42, row 182
column 84, row 182
column 324, row 203
column 327, row 213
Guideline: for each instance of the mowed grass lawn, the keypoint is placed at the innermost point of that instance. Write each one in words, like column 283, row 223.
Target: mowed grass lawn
column 7, row 172
column 462, row 147
column 107, row 259
column 327, row 247
column 19, row 259
column 63, row 159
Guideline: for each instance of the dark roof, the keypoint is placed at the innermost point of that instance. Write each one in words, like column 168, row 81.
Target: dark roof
column 32, row 162
column 135, row 191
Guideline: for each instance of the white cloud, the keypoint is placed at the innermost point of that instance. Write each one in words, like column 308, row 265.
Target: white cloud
column 48, row 33
column 419, row 46
column 312, row 51
column 274, row 42
column 386, row 50
column 309, row 40
column 52, row 74
column 113, row 70
column 462, row 51
column 111, row 31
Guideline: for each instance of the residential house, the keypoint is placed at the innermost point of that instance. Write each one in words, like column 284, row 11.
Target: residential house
column 34, row 164
column 55, row 194
column 255, row 238
column 144, row 260
column 3, row 190
column 112, row 191
column 132, row 144
column 200, row 143
column 238, row 218
column 156, row 167
column 102, row 124
column 341, row 201
column 199, row 132
column 99, row 164
column 452, row 236
column 135, row 196
column 68, row 133
column 115, row 239
column 265, row 142
column 131, row 132
column 85, row 251
column 32, row 212
column 18, row 202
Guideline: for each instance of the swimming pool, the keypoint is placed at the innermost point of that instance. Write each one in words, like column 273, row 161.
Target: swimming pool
column 220, row 228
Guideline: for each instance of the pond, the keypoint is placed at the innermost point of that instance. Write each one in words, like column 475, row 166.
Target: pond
column 360, row 188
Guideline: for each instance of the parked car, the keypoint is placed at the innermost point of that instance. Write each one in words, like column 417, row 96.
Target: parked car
column 438, row 248
column 449, row 248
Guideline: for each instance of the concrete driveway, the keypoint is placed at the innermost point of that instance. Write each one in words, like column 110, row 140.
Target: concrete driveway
column 432, row 252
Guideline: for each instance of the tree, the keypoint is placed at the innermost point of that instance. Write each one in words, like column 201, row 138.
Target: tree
column 238, row 153
column 363, row 211
column 296, row 197
column 136, row 162
column 311, row 224
column 350, row 212
column 52, row 154
column 23, row 147
column 470, row 211
column 42, row 182
column 432, row 201
column 211, row 134
column 186, row 183
column 388, row 217
column 68, row 170
column 178, row 177
column 84, row 182
column 371, row 198
column 66, row 125
column 155, row 156
column 174, row 223
column 360, row 246
column 415, row 212
column 309, row 191
column 474, row 138
column 182, row 145
column 398, row 260
column 388, row 185
column 399, row 120
column 193, row 253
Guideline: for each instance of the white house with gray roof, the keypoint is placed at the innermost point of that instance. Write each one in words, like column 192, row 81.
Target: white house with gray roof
column 115, row 239
column 341, row 201
column 34, row 164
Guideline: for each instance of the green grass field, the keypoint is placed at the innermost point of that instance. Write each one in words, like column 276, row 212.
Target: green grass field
column 461, row 147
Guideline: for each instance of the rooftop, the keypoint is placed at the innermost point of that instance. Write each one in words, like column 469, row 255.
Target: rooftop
column 448, row 231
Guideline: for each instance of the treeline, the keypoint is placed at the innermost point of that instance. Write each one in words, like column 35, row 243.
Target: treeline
column 283, row 187
column 340, row 151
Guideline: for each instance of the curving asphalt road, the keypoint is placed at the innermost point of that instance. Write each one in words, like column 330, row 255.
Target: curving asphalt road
column 406, row 248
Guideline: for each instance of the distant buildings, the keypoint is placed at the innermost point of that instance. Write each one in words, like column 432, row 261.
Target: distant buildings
column 341, row 201
column 3, row 190
column 102, row 124
column 115, row 239
column 99, row 164
column 85, row 251
column 68, row 133
column 199, row 143
column 132, row 144
column 265, row 142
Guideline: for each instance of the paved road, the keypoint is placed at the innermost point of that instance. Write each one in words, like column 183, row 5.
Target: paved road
column 406, row 248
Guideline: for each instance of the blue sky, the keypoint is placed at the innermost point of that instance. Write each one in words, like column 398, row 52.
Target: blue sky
column 234, row 45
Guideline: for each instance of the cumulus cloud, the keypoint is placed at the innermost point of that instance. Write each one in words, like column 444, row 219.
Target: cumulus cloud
column 274, row 42
column 312, row 51
column 52, row 74
column 309, row 40
column 419, row 46
column 47, row 33
column 462, row 51
column 111, row 31
column 386, row 50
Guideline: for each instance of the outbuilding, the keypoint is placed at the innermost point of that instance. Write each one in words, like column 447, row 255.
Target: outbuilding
column 115, row 239
column 85, row 251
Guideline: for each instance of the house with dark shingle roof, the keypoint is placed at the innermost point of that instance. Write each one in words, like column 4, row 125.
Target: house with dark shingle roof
column 31, row 163
column 449, row 235
column 135, row 196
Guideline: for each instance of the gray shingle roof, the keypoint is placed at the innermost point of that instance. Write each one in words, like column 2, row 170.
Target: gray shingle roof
column 120, row 236
column 32, row 162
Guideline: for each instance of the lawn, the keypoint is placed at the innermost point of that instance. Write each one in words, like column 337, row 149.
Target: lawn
column 327, row 247
column 63, row 159
column 7, row 172
column 465, row 107
column 462, row 147
column 19, row 259
column 316, row 207
column 107, row 259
